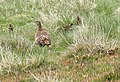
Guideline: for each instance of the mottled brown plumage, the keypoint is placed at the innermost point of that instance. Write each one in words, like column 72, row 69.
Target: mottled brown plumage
column 10, row 28
column 112, row 51
column 42, row 36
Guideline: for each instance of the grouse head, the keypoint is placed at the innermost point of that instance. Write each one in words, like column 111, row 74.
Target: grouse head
column 38, row 23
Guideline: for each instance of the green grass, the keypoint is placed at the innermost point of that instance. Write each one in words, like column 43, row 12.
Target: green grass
column 74, row 55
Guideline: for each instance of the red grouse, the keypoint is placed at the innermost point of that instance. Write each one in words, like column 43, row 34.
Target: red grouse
column 10, row 28
column 112, row 51
column 78, row 20
column 42, row 36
